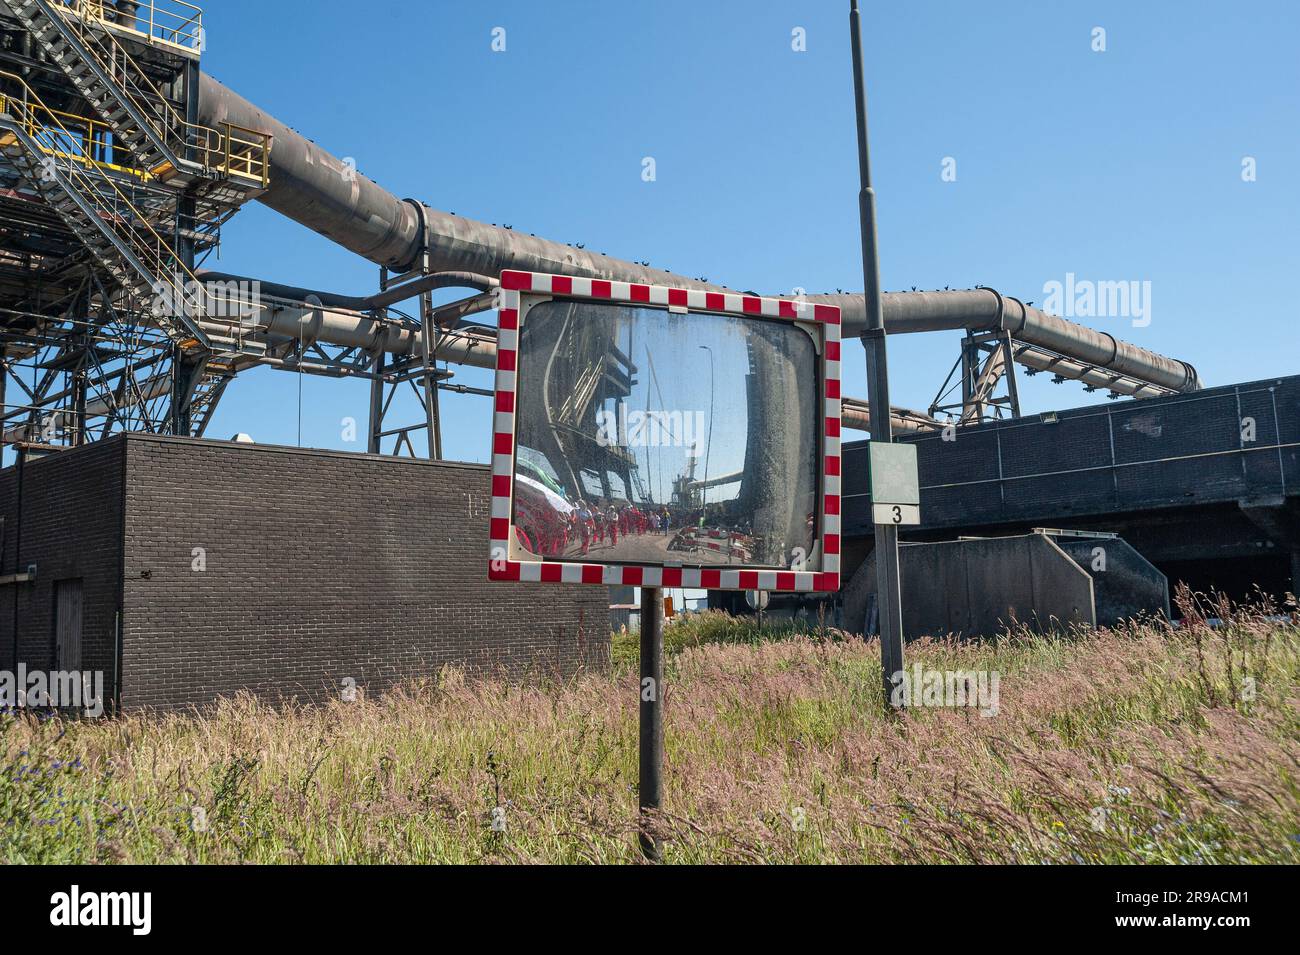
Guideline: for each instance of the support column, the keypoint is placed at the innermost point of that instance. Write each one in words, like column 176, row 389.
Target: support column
column 376, row 402
column 1009, row 372
column 186, row 371
column 652, row 716
column 79, row 407
column 432, row 413
column 4, row 409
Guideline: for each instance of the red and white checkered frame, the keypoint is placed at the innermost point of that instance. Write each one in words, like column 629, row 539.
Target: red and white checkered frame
column 520, row 288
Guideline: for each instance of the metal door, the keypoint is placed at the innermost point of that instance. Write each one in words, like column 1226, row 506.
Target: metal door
column 67, row 624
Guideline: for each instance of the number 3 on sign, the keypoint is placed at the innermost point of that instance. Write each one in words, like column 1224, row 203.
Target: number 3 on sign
column 895, row 514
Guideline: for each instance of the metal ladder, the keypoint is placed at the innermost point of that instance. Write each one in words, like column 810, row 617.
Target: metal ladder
column 204, row 402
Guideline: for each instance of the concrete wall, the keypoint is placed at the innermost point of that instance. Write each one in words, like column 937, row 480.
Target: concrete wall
column 1124, row 583
column 70, row 526
column 311, row 568
column 978, row 588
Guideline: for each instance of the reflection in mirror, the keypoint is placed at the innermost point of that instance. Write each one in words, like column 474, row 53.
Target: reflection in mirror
column 645, row 436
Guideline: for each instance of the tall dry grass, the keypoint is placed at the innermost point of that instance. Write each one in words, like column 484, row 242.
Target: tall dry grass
column 1145, row 744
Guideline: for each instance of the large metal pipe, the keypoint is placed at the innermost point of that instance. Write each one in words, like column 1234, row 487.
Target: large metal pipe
column 856, row 414
column 356, row 303
column 328, row 195
column 272, row 320
column 282, row 314
column 986, row 309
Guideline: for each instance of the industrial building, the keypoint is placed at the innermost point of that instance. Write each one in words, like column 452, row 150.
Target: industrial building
column 121, row 160
column 1205, row 485
column 189, row 569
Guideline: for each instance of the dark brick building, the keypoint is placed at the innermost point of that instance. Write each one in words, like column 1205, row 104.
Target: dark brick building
column 198, row 568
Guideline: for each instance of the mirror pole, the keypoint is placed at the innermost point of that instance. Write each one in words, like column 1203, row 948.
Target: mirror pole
column 888, row 578
column 652, row 719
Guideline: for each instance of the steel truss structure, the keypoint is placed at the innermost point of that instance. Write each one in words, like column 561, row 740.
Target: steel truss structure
column 120, row 161
column 111, row 195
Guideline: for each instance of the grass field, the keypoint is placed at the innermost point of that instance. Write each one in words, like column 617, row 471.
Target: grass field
column 1141, row 745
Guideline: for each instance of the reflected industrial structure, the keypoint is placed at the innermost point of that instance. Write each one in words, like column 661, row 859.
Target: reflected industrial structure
column 609, row 469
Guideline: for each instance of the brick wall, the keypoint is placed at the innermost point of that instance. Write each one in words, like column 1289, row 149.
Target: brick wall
column 71, row 527
column 317, row 567
column 322, row 567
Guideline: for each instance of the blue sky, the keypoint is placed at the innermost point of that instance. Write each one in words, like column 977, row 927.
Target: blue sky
column 1116, row 165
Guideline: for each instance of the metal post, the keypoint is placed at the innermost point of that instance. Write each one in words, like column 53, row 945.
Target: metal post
column 374, row 440
column 187, row 371
column 1009, row 361
column 4, row 398
column 704, row 491
column 79, row 406
column 652, row 715
column 970, row 371
column 888, row 581
column 432, row 413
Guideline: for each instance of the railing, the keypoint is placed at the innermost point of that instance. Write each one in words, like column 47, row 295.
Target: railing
column 69, row 136
column 113, row 205
column 233, row 150
column 173, row 23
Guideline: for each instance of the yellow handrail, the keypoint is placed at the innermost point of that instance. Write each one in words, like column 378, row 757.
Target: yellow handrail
column 155, row 254
column 181, row 28
column 246, row 156
column 233, row 150
column 94, row 138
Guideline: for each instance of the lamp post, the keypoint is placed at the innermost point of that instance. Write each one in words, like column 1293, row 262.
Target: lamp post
column 888, row 580
column 704, row 491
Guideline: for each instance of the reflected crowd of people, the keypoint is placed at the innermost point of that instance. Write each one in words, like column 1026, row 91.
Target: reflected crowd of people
column 594, row 524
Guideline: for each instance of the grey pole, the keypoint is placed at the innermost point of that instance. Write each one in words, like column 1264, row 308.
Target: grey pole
column 652, row 715
column 888, row 582
column 432, row 412
column 704, row 492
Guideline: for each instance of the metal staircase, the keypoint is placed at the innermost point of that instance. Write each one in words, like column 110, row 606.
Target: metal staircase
column 139, row 114
column 98, row 208
column 144, row 190
column 227, row 166
column 210, row 388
